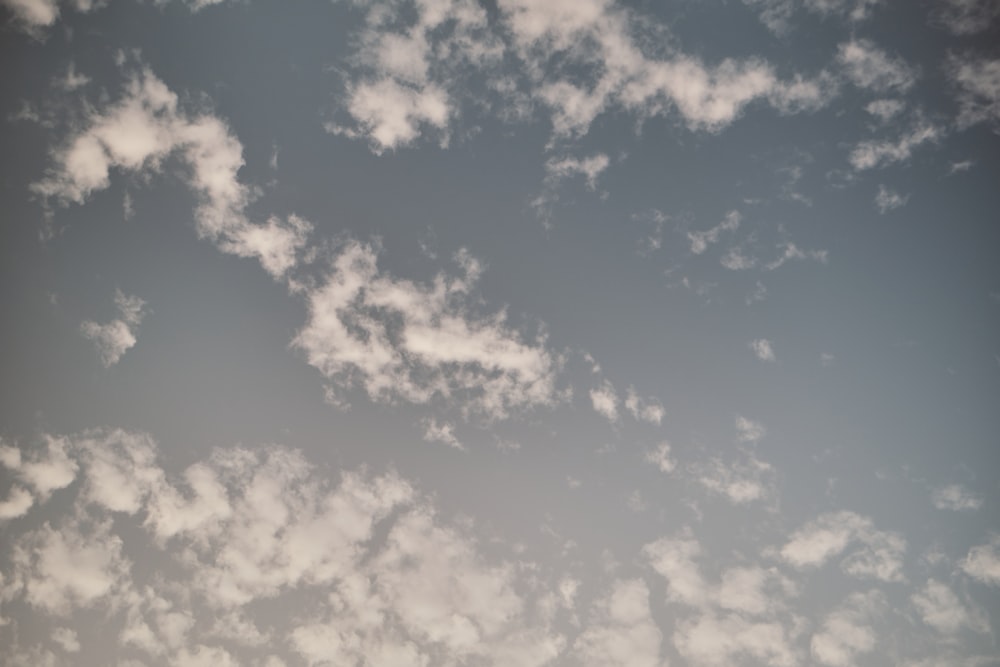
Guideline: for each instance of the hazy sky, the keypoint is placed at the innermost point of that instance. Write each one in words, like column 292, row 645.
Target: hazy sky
column 500, row 332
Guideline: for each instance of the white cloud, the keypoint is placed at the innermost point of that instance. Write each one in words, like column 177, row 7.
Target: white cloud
column 748, row 430
column 675, row 559
column 138, row 134
column 741, row 481
column 879, row 555
column 118, row 336
column 940, row 608
column 77, row 564
column 247, row 526
column 983, row 562
column 400, row 340
column 33, row 15
column 967, row 17
column 762, row 349
column 955, row 497
column 777, row 14
column 622, row 631
column 66, row 639
column 441, row 432
column 716, row 640
column 701, row 240
column 567, row 167
column 847, row 632
column 885, row 109
column 880, row 153
column 869, row 67
column 978, row 84
column 791, row 252
column 644, row 409
column 604, row 400
column 660, row 457
column 407, row 71
column 887, row 200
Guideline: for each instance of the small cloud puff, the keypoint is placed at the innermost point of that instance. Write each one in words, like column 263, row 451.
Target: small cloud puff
column 115, row 338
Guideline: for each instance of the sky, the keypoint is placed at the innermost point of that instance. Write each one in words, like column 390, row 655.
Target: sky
column 500, row 332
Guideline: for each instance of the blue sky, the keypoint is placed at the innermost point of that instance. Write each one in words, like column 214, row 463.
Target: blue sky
column 508, row 332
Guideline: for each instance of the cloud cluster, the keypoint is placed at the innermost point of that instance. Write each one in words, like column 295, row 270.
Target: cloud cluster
column 878, row 555
column 138, row 134
column 412, row 72
column 243, row 530
column 404, row 341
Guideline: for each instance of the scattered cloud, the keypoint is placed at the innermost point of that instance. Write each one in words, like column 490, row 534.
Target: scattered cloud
column 118, row 336
column 888, row 200
column 660, row 457
column 649, row 409
column 700, row 241
column 967, row 17
column 777, row 14
column 885, row 109
column 748, row 430
column 978, row 84
column 881, row 153
column 955, row 497
column 743, row 480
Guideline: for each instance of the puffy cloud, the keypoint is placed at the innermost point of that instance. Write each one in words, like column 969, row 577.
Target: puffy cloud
column 867, row 66
column 762, row 349
column 675, row 559
column 955, row 497
column 138, row 134
column 983, row 562
column 76, row 564
column 243, row 527
column 887, row 200
column 622, row 630
column 604, row 400
column 879, row 556
column 118, row 336
column 941, row 608
column 978, row 85
column 880, row 153
column 716, row 640
column 400, row 340
column 847, row 632
column 34, row 15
